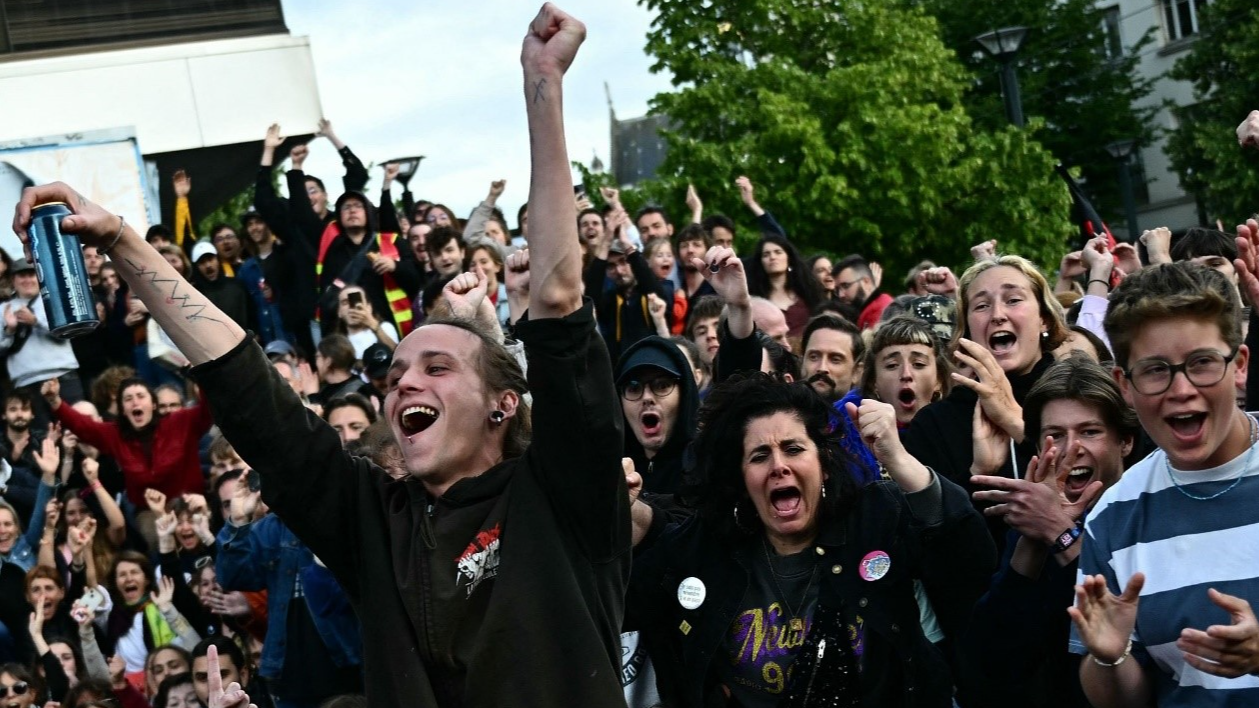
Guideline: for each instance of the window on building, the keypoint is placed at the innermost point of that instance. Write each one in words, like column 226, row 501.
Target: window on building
column 1113, row 47
column 41, row 25
column 1180, row 18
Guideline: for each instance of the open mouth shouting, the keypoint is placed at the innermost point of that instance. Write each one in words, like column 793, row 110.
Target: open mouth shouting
column 1187, row 427
column 1002, row 343
column 1077, row 480
column 417, row 419
column 906, row 398
column 652, row 423
column 131, row 591
column 785, row 502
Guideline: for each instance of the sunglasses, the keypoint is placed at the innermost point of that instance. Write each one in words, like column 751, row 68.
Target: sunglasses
column 17, row 689
column 203, row 561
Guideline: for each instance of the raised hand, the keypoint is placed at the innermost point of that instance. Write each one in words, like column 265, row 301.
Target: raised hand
column 984, row 251
column 496, row 190
column 164, row 593
column 1072, row 266
column 231, row 696
column 182, row 183
column 747, row 192
column 1228, row 650
column 52, row 514
column 324, row 130
column 990, row 445
column 550, row 46
column 516, row 276
column 392, row 170
column 464, row 293
column 156, row 501
column 36, row 624
column 1247, row 262
column 47, row 457
column 1104, row 620
column 938, row 281
column 723, row 269
column 1034, row 506
column 876, row 273
column 1158, row 245
column 118, row 672
column 87, row 530
column 93, row 225
column 244, row 504
column 298, row 155
column 166, row 524
column 611, row 195
column 91, row 470
column 82, row 615
column 655, row 307
column 273, row 139
column 201, row 525
column 876, row 422
column 1126, row 258
column 993, row 388
column 633, row 480
column 227, row 604
column 1248, row 131
column 694, row 203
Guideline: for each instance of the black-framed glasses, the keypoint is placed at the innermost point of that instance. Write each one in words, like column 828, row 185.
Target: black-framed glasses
column 17, row 689
column 662, row 386
column 1203, row 369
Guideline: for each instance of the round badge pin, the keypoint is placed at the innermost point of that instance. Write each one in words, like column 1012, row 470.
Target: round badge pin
column 691, row 593
column 874, row 565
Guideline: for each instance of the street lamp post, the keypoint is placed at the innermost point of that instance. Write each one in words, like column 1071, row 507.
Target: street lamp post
column 1122, row 150
column 1003, row 45
column 407, row 167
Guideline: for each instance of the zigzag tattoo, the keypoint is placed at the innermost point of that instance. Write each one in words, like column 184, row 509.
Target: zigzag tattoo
column 174, row 298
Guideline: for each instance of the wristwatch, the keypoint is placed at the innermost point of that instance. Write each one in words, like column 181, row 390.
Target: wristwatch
column 1068, row 538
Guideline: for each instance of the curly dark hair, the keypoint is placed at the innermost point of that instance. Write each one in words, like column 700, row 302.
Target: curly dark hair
column 715, row 486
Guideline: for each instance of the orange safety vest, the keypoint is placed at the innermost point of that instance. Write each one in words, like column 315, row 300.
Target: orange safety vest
column 397, row 297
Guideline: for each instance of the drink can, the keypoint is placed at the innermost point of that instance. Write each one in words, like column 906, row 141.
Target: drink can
column 62, row 274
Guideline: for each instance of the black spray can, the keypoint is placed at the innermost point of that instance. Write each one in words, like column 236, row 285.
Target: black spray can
column 63, row 281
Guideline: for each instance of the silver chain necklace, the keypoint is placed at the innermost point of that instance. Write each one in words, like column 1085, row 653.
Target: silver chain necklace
column 796, row 623
column 1254, row 437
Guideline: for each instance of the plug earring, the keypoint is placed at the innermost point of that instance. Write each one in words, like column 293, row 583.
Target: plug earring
column 498, row 417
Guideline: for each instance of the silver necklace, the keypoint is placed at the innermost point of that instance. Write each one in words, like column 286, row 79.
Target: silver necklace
column 796, row 623
column 1254, row 437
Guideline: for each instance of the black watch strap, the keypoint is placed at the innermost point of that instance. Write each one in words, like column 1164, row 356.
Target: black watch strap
column 1067, row 538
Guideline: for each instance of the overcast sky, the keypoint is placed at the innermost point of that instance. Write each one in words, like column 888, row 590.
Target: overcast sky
column 442, row 78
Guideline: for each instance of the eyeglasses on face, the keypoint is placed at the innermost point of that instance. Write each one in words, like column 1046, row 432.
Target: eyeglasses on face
column 17, row 689
column 662, row 386
column 1151, row 377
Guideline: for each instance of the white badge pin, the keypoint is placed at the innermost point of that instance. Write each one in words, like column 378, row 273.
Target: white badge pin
column 691, row 593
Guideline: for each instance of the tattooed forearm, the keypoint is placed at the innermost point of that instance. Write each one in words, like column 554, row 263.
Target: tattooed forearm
column 192, row 311
column 538, row 95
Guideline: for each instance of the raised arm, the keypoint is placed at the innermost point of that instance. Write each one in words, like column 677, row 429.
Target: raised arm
column 555, row 251
column 199, row 329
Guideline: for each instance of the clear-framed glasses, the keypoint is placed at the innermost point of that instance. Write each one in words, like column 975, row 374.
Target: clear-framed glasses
column 1150, row 377
column 662, row 386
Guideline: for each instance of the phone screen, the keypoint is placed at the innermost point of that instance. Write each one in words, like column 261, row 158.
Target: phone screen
column 355, row 298
column 254, row 480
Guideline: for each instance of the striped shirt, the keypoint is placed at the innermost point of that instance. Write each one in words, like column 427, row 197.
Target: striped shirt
column 1184, row 546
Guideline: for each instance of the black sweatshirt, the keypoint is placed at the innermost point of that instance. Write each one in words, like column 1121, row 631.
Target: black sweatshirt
column 541, row 574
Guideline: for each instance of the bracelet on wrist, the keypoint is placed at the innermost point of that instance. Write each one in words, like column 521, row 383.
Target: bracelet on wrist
column 1105, row 283
column 1127, row 652
column 122, row 224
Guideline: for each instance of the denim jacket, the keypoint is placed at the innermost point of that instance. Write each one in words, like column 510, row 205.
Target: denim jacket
column 265, row 555
column 24, row 551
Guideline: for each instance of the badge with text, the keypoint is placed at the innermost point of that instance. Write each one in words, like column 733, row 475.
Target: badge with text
column 691, row 593
column 875, row 565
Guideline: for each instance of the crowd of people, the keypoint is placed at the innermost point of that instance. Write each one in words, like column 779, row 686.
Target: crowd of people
column 347, row 452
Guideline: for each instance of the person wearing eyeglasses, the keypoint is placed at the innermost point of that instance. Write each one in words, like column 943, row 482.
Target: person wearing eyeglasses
column 1170, row 559
column 659, row 398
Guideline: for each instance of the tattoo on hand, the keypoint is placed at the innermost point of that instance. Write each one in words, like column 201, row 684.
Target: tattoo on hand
column 537, row 90
column 174, row 297
column 82, row 199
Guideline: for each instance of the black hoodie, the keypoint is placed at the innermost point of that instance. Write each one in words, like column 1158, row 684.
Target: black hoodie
column 662, row 474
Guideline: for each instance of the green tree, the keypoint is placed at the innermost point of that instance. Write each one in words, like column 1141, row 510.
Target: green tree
column 1203, row 149
column 1073, row 74
column 849, row 118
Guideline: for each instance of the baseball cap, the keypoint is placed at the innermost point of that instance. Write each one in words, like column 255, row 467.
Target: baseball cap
column 376, row 361
column 251, row 214
column 280, row 348
column 938, row 311
column 202, row 249
column 648, row 357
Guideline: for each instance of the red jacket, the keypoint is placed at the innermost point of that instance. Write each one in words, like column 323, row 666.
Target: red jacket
column 873, row 310
column 171, row 462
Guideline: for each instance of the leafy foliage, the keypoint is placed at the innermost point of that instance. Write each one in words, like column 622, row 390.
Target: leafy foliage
column 849, row 118
column 1072, row 75
column 1221, row 66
